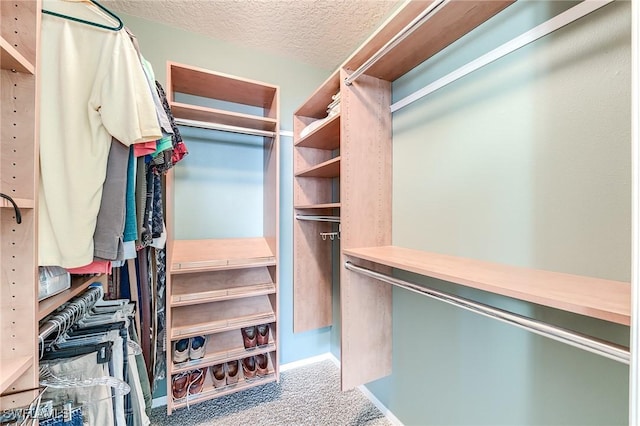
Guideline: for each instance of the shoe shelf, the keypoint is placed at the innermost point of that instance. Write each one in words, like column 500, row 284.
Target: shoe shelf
column 327, row 169
column 215, row 317
column 217, row 254
column 327, row 136
column 224, row 347
column 204, row 287
column 209, row 391
column 212, row 115
column 594, row 297
column 12, row 369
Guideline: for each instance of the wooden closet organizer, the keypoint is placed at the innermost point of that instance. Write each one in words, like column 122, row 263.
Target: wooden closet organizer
column 20, row 310
column 215, row 287
column 360, row 139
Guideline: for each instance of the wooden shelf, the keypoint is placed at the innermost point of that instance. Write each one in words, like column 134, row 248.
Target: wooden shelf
column 209, row 84
column 449, row 24
column 317, row 206
column 316, row 105
column 211, row 115
column 217, row 254
column 11, row 59
column 12, row 369
column 328, row 169
column 78, row 285
column 204, row 287
column 223, row 347
column 327, row 136
column 210, row 392
column 598, row 298
column 23, row 203
column 215, row 317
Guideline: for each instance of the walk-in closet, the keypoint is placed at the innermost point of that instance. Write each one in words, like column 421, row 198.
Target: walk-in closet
column 368, row 212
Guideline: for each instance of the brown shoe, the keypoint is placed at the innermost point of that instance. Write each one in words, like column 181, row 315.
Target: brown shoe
column 218, row 375
column 262, row 365
column 263, row 334
column 249, row 337
column 233, row 370
column 249, row 368
column 179, row 385
column 196, row 380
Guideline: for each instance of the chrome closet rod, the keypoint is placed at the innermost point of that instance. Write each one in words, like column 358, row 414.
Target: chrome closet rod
column 401, row 35
column 223, row 127
column 316, row 218
column 578, row 340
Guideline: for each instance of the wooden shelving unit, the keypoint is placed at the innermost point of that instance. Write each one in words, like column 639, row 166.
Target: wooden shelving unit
column 215, row 287
column 598, row 298
column 19, row 43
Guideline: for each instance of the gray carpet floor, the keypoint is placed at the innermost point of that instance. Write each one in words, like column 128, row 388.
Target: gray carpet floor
column 308, row 395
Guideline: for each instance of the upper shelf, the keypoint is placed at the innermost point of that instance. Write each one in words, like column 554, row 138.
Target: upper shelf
column 450, row 23
column 224, row 87
column 217, row 254
column 598, row 298
column 211, row 115
column 327, row 136
column 316, row 105
column 11, row 59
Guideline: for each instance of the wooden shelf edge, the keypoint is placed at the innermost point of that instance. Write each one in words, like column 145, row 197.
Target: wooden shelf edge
column 612, row 305
column 12, row 369
column 23, row 203
column 219, row 295
column 78, row 285
column 219, row 265
column 13, row 60
column 317, row 206
column 323, row 170
column 247, row 120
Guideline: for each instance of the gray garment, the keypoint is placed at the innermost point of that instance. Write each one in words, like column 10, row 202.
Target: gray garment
column 107, row 238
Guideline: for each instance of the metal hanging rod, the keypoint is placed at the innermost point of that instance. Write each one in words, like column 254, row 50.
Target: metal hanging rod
column 62, row 321
column 578, row 340
column 553, row 24
column 315, row 218
column 404, row 33
column 223, row 127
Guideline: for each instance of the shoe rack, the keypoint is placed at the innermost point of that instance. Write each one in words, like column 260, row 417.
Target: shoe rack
column 218, row 287
column 19, row 40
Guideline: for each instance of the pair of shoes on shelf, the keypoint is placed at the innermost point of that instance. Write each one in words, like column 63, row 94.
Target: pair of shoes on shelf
column 188, row 383
column 225, row 374
column 185, row 349
column 256, row 365
column 255, row 336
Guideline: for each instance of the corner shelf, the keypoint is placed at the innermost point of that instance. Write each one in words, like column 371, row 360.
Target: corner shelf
column 12, row 369
column 594, row 297
column 12, row 60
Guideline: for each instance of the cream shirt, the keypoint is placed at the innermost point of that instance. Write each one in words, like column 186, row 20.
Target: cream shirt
column 92, row 87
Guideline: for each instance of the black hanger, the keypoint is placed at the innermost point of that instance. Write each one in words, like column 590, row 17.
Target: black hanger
column 95, row 24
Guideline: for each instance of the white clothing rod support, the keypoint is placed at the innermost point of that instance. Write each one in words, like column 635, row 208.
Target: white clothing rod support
column 404, row 33
column 315, row 218
column 553, row 24
column 581, row 341
column 223, row 127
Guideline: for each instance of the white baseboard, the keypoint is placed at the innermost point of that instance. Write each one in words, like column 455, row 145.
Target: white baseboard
column 162, row 401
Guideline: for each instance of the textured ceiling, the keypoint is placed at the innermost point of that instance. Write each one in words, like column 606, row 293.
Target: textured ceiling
column 319, row 32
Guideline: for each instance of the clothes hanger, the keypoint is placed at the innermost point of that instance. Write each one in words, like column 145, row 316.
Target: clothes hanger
column 95, row 24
